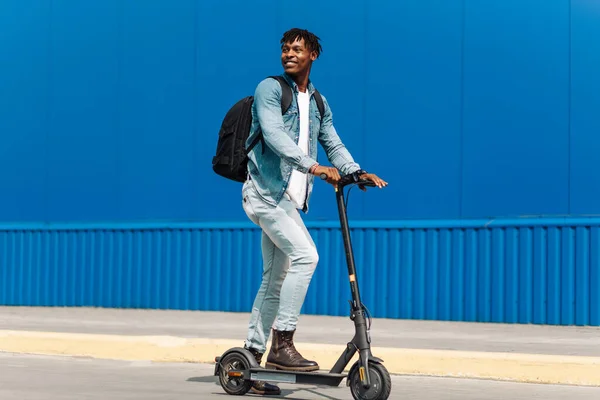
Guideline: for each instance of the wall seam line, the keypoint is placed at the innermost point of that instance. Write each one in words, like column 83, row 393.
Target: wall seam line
column 461, row 116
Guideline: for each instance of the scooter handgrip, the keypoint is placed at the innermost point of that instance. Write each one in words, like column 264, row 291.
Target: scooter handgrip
column 365, row 183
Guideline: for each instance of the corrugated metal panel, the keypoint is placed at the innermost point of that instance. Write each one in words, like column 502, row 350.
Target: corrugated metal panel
column 538, row 271
column 516, row 274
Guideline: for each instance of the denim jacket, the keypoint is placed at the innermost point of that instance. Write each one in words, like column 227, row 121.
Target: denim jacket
column 270, row 167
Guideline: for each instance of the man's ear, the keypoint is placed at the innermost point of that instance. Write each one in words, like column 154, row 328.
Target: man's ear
column 313, row 55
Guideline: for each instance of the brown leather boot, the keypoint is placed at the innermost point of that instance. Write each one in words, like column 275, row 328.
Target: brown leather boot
column 260, row 387
column 284, row 356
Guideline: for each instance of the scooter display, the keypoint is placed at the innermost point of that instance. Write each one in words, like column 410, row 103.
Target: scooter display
column 367, row 378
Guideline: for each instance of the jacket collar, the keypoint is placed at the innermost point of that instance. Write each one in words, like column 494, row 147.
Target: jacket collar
column 294, row 86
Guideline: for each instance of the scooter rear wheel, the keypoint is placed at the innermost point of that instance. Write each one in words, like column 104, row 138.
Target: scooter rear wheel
column 234, row 385
column 381, row 383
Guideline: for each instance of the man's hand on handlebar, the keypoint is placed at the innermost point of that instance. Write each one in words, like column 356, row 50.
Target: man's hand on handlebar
column 333, row 176
column 380, row 183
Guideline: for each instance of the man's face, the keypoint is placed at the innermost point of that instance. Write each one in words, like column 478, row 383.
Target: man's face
column 296, row 58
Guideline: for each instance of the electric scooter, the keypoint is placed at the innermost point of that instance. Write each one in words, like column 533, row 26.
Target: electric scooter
column 367, row 378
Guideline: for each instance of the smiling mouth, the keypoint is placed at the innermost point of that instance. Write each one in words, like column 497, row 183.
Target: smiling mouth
column 290, row 63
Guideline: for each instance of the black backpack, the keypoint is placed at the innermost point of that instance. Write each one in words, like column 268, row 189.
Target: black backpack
column 231, row 157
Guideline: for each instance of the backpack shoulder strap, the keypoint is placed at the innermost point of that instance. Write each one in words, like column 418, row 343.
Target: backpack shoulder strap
column 320, row 103
column 286, row 93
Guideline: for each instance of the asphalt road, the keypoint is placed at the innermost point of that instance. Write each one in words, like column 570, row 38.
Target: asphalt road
column 31, row 377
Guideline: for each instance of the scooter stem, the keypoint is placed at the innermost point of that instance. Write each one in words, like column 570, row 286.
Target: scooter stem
column 356, row 302
column 361, row 340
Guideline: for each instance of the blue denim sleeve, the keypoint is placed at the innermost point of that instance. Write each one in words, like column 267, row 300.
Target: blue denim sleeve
column 267, row 100
column 336, row 151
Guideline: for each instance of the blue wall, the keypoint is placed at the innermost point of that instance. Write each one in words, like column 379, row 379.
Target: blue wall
column 110, row 109
column 109, row 113
column 511, row 271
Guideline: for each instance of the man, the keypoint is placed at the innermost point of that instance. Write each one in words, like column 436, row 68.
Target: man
column 281, row 174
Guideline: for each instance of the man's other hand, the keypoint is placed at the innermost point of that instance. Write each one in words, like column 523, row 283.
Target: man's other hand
column 380, row 183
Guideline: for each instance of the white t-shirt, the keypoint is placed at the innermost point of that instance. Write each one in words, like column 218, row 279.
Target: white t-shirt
column 298, row 185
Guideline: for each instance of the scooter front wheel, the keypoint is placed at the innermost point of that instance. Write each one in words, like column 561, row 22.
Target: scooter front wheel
column 232, row 384
column 381, row 383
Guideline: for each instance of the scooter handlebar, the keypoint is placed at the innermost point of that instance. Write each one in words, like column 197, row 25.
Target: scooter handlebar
column 349, row 180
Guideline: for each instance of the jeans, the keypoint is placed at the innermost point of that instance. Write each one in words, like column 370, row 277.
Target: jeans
column 289, row 261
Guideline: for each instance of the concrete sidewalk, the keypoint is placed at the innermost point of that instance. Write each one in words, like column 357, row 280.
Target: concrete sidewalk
column 525, row 353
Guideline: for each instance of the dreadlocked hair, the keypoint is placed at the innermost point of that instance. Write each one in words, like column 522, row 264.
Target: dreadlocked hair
column 310, row 39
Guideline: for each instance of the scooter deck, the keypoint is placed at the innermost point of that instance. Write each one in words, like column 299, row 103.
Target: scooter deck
column 316, row 378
